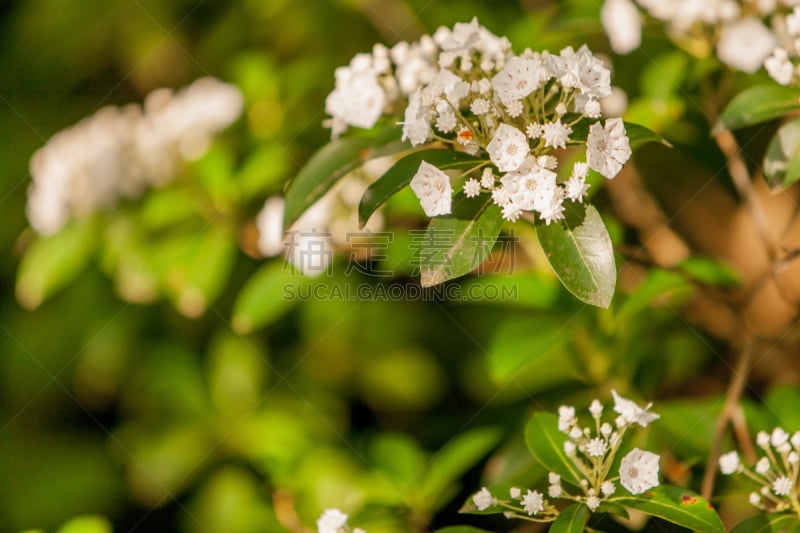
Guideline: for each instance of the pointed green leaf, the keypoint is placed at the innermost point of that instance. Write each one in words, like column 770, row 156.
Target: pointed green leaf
column 580, row 252
column 546, row 443
column 757, row 104
column 676, row 505
column 266, row 296
column 571, row 520
column 457, row 243
column 53, row 262
column 401, row 174
column 331, row 163
column 782, row 160
column 764, row 523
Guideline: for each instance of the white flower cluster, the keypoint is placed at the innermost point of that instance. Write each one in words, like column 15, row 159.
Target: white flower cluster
column 776, row 472
column 335, row 521
column 592, row 450
column 119, row 152
column 466, row 88
column 747, row 34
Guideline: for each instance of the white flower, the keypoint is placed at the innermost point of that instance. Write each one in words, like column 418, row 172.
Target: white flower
column 569, row 448
column 511, row 212
column 553, row 208
column 596, row 447
column 483, row 499
column 744, row 44
column 782, row 486
column 762, row 466
column 606, row 429
column 638, row 471
column 480, row 106
column 566, row 418
column 580, row 170
column 762, row 439
column 755, row 498
column 417, row 121
column 332, row 521
column 547, row 161
column 487, row 178
column 729, row 463
column 608, row 488
column 519, row 78
column 553, row 478
column 358, row 100
column 515, row 493
column 533, row 502
column 575, row 189
column 607, row 147
column 778, row 437
column 592, row 502
column 623, row 25
column 793, row 458
column 575, row 433
column 472, row 188
column 533, row 130
column 432, row 187
column 596, row 408
column 796, row 440
column 554, row 491
column 556, row 134
column 779, row 67
column 631, row 412
column 592, row 108
column 514, row 108
column 508, row 148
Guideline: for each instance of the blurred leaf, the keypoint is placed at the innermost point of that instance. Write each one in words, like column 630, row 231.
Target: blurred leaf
column 581, row 254
column 782, row 402
column 201, row 271
column 712, row 272
column 782, row 160
column 768, row 523
column 457, row 243
column 454, row 459
column 536, row 343
column 53, row 262
column 662, row 285
column 237, row 373
column 399, row 458
column 518, row 290
column 401, row 380
column 331, row 163
column 571, row 520
column 688, row 425
column 263, row 170
column 267, row 295
column 676, row 505
column 757, row 104
column 164, row 207
column 401, row 174
column 664, row 75
column 546, row 443
column 87, row 524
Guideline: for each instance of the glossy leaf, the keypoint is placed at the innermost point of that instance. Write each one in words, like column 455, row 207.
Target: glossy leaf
column 546, row 443
column 53, row 262
column 456, row 244
column 766, row 523
column 401, row 174
column 782, row 160
column 571, row 520
column 580, row 252
column 328, row 165
column 757, row 104
column 676, row 505
column 266, row 296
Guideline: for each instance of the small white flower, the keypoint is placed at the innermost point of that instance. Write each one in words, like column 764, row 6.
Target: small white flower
column 533, row 130
column 548, row 162
column 631, row 412
column 515, row 493
column 607, row 147
column 782, row 486
column 575, row 189
column 793, row 458
column 331, row 521
column 561, row 109
column 432, row 187
column 778, row 437
column 793, row 22
column 533, row 502
column 755, row 498
column 556, row 134
column 638, row 471
column 729, row 463
column 623, row 25
column 508, row 148
column 745, row 43
column 511, row 212
column 779, row 67
column 762, row 466
column 796, row 440
column 480, row 106
column 514, row 108
column 554, row 491
column 580, row 170
column 569, row 448
column 762, row 439
column 553, row 478
column 596, row 408
column 608, row 488
column 483, row 499
column 592, row 502
column 606, row 429
column 596, row 447
column 566, row 418
column 519, row 78
column 575, row 433
column 472, row 188
column 593, row 108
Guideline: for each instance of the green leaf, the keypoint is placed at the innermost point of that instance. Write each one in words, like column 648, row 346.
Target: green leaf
column 676, row 505
column 87, row 524
column 782, row 160
column 580, row 252
column 266, row 296
column 571, row 520
column 757, row 104
column 455, row 458
column 457, row 243
column 331, row 163
column 401, row 174
column 546, row 443
column 782, row 402
column 765, row 523
column 529, row 290
column 53, row 262
column 712, row 272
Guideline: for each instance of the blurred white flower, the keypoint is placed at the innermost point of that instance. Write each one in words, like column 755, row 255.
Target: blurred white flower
column 729, row 463
column 745, row 44
column 483, row 499
column 623, row 24
column 332, row 521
